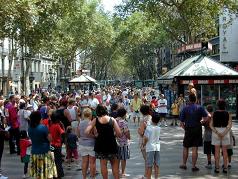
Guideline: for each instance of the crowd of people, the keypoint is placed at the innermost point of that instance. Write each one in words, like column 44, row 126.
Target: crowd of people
column 39, row 126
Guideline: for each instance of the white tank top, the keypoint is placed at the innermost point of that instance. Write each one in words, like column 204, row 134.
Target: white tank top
column 73, row 113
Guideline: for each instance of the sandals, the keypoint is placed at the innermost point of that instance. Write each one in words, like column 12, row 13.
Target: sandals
column 184, row 167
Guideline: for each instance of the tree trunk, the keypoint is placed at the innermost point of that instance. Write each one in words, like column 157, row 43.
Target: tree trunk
column 26, row 76
column 12, row 56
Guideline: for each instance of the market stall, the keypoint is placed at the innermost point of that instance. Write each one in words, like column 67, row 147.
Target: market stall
column 83, row 82
column 212, row 79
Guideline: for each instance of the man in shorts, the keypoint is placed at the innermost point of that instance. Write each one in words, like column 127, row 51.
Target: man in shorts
column 136, row 103
column 192, row 116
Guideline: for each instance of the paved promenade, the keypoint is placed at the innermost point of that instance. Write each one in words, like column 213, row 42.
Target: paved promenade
column 171, row 150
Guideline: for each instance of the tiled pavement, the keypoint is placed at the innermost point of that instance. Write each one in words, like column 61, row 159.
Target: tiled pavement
column 171, row 150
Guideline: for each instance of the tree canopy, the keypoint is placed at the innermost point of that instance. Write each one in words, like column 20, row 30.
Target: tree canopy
column 123, row 45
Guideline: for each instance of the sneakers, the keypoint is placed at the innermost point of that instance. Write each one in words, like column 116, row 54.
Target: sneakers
column 78, row 168
column 216, row 170
column 195, row 169
column 184, row 167
column 208, row 166
column 24, row 176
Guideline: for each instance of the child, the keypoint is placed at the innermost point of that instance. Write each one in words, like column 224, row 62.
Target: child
column 208, row 148
column 71, row 141
column 56, row 131
column 230, row 148
column 152, row 144
column 123, row 141
column 25, row 155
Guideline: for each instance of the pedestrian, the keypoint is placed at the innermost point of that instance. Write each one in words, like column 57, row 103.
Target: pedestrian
column 162, row 110
column 86, row 144
column 3, row 123
column 146, row 120
column 25, row 144
column 14, row 131
column 44, row 107
column 126, row 104
column 152, row 145
column 21, row 118
column 123, row 140
column 42, row 160
column 181, row 102
column 71, row 140
column 154, row 103
column 93, row 102
column 175, row 112
column 56, row 129
column 114, row 108
column 107, row 128
column 74, row 112
column 136, row 103
column 221, row 124
column 192, row 89
column 191, row 118
column 208, row 148
column 230, row 147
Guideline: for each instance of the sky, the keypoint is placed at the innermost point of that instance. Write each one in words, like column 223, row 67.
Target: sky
column 109, row 4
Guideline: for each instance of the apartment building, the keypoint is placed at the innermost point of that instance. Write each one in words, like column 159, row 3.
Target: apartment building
column 42, row 72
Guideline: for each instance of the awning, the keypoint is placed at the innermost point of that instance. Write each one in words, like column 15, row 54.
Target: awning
column 83, row 79
column 198, row 66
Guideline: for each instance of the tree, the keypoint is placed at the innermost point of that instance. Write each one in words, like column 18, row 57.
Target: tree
column 139, row 39
column 186, row 21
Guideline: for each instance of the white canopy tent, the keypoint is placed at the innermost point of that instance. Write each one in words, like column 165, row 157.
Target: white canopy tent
column 83, row 79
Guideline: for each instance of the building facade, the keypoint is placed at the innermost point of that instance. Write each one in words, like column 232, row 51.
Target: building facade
column 222, row 48
column 42, row 72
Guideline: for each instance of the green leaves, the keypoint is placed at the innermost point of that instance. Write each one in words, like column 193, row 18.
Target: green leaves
column 185, row 21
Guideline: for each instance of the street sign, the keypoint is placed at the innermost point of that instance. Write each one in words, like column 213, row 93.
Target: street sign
column 17, row 67
column 16, row 70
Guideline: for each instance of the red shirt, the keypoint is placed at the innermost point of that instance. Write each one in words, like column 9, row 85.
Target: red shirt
column 24, row 143
column 56, row 131
column 154, row 103
column 12, row 119
column 45, row 122
column 99, row 98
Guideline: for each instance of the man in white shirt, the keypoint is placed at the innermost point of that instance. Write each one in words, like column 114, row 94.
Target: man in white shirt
column 162, row 109
column 93, row 103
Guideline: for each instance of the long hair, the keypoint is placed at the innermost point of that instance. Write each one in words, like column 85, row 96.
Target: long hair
column 35, row 119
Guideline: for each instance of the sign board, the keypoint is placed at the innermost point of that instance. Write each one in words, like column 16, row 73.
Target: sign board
column 193, row 47
column 17, row 67
column 210, row 82
column 15, row 76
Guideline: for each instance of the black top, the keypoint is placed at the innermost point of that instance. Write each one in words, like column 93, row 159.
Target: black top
column 63, row 118
column 220, row 118
column 106, row 141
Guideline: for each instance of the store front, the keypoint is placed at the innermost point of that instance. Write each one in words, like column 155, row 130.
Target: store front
column 209, row 91
column 212, row 81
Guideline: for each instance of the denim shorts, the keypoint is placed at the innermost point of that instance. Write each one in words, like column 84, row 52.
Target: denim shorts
column 152, row 158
